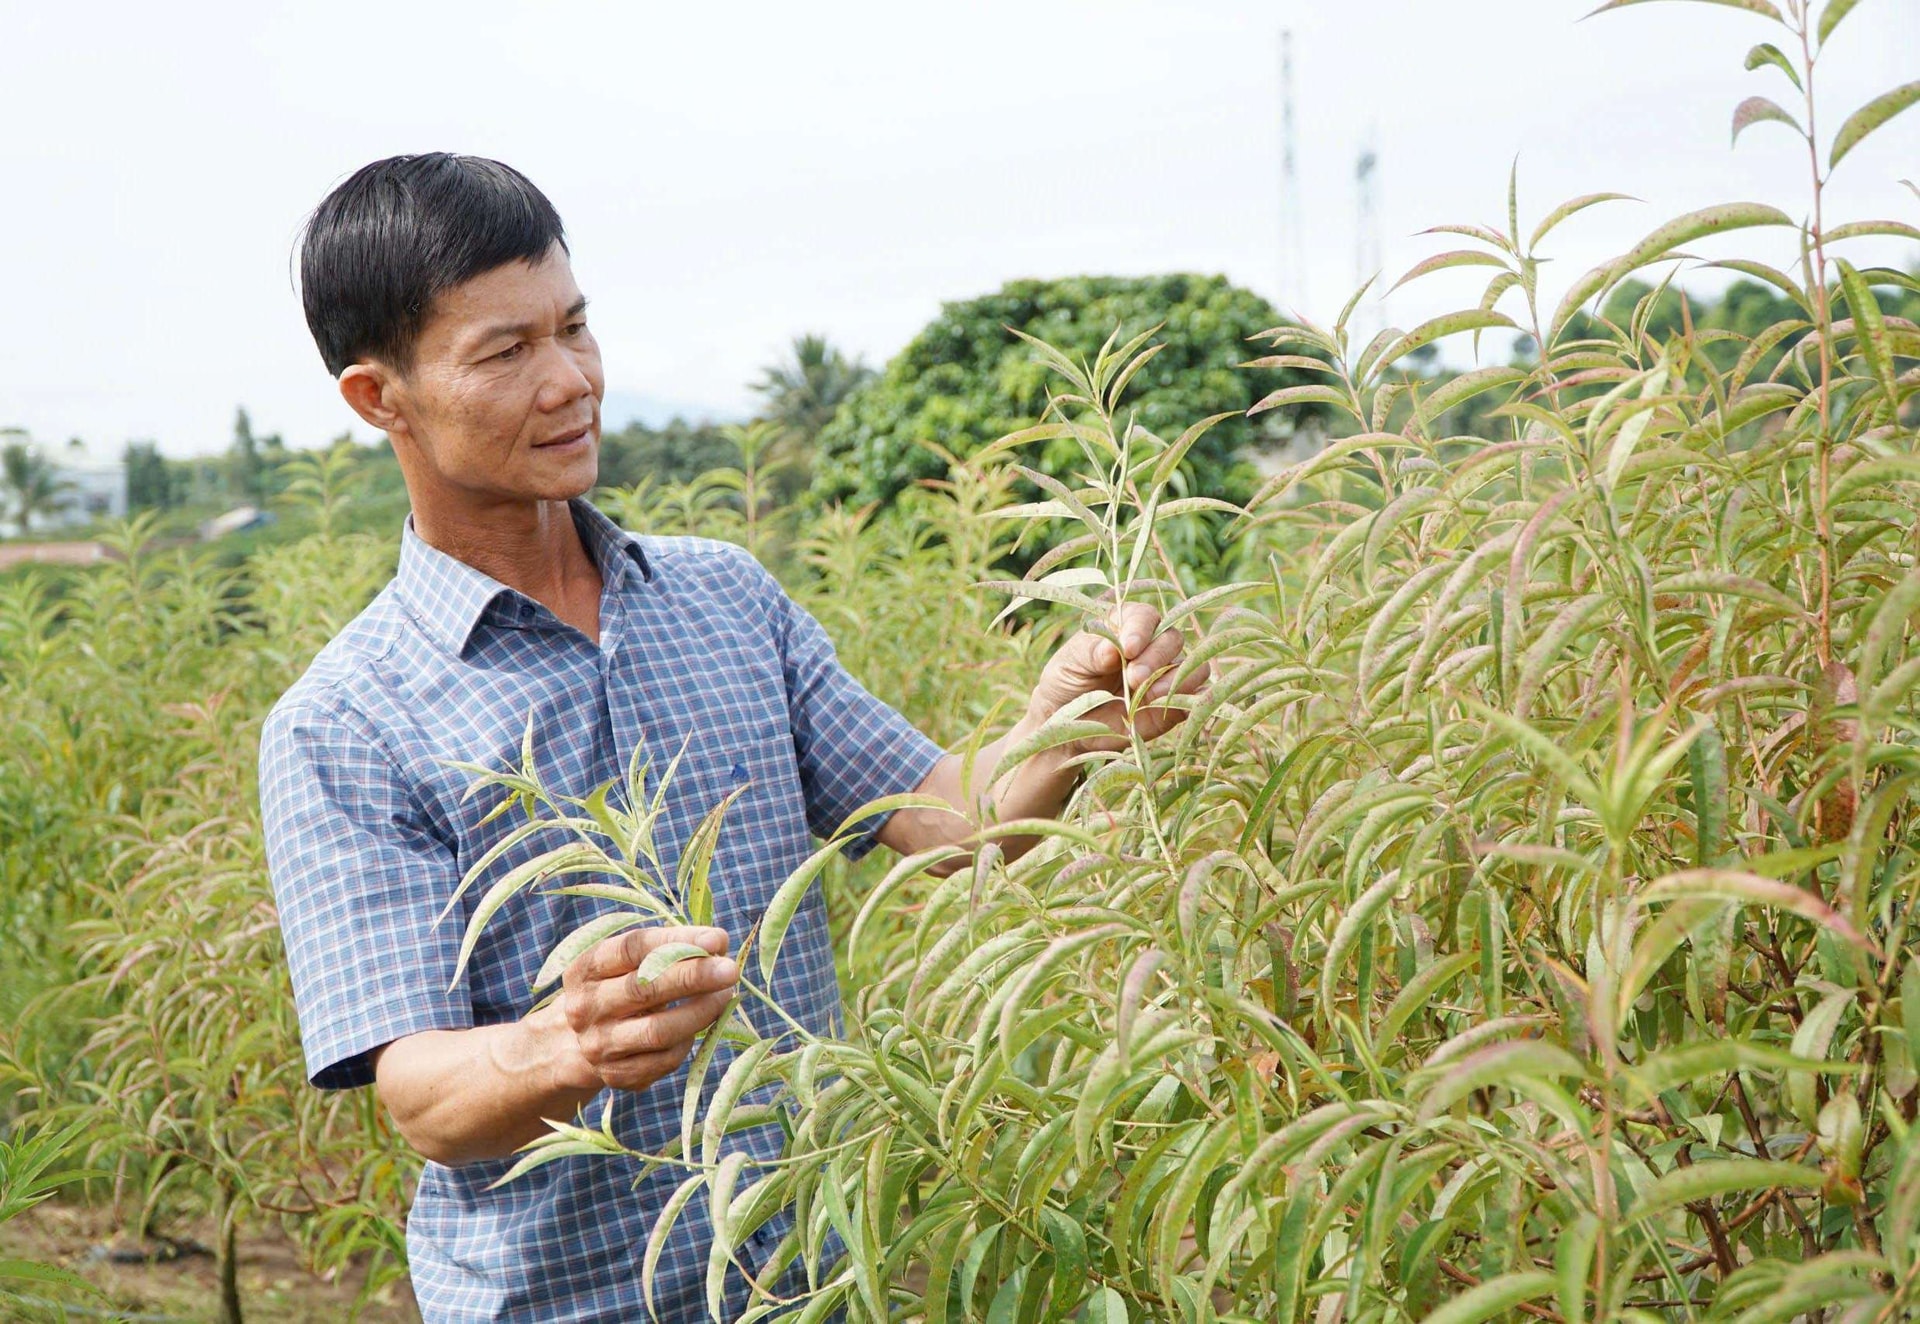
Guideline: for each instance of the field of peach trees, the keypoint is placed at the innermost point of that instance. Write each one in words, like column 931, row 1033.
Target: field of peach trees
column 1525, row 924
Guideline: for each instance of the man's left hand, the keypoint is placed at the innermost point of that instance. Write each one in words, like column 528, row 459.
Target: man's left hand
column 1141, row 664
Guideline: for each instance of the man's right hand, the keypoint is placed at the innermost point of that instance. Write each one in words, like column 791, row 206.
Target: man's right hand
column 631, row 1034
column 481, row 1093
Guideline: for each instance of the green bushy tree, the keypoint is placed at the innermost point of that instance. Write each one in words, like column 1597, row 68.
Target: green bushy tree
column 147, row 1005
column 1522, row 924
column 967, row 379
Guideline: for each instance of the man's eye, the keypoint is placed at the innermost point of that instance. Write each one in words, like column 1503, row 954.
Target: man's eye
column 509, row 353
column 575, row 328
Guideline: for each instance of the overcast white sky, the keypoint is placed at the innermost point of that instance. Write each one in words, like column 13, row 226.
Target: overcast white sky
column 732, row 175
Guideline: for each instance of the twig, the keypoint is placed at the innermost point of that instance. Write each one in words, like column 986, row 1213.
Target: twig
column 1461, row 1276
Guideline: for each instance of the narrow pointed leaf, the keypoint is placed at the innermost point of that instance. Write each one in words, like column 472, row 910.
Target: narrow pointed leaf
column 1870, row 117
column 1755, row 109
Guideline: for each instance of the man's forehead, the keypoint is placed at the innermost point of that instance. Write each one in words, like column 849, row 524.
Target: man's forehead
column 516, row 290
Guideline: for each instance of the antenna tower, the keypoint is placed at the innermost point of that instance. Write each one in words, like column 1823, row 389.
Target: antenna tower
column 1293, row 228
column 1366, row 230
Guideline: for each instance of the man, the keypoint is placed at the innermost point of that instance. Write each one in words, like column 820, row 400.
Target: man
column 439, row 291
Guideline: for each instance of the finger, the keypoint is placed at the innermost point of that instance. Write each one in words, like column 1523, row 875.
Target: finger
column 645, row 1070
column 1194, row 682
column 623, row 953
column 1134, row 624
column 1093, row 652
column 1162, row 654
column 618, row 998
column 654, row 1032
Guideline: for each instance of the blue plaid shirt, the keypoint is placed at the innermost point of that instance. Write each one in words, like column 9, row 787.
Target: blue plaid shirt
column 367, row 836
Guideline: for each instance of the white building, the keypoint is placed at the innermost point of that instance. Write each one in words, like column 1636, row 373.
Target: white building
column 87, row 492
column 97, row 492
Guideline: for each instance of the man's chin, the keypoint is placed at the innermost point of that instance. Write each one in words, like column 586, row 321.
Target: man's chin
column 565, row 481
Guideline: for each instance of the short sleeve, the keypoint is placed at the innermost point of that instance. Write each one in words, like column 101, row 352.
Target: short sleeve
column 852, row 747
column 360, row 879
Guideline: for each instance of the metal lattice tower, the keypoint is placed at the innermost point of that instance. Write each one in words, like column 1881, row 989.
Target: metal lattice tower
column 1366, row 233
column 1293, row 226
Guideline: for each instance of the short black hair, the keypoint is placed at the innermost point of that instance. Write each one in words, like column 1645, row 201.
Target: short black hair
column 399, row 232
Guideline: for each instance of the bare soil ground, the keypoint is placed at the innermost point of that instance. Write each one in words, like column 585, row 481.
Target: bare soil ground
column 274, row 1287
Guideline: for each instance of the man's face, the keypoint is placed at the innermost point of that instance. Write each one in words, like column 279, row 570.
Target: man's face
column 503, row 401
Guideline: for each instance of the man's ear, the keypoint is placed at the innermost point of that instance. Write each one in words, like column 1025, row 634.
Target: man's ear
column 369, row 389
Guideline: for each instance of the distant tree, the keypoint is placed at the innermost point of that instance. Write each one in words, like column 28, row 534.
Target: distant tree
column 805, row 391
column 153, row 481
column 966, row 380
column 32, row 484
column 676, row 453
column 245, row 471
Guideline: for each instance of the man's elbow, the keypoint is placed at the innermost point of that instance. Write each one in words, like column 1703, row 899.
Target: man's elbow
column 410, row 1108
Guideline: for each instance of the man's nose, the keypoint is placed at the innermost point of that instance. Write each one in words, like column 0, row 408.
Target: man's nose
column 564, row 379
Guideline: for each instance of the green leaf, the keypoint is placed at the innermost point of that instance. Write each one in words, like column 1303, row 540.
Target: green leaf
column 1672, row 1067
column 1451, row 324
column 1755, row 109
column 1704, row 1181
column 32, row 1271
column 1497, row 1065
column 1107, row 1307
column 1707, row 773
column 1021, row 590
column 1573, row 207
column 1166, row 464
column 1813, row 1039
column 1874, row 229
column 1706, row 222
column 1870, row 328
column 1572, row 1263
column 1831, row 16
column 1763, row 7
column 570, row 948
column 664, row 957
column 575, row 857
column 661, row 1232
column 1542, row 747
column 710, row 1041
column 1302, row 395
column 1768, row 53
column 1497, row 1296
column 892, row 804
column 741, row 1075
column 720, row 1248
column 1464, row 387
column 786, row 903
column 1870, row 117
column 696, row 863
column 1628, row 437
column 1459, row 257
column 1358, row 919
column 1910, row 1009
column 1752, row 889
column 1068, row 1240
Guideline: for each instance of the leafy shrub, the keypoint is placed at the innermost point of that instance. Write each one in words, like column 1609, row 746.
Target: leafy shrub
column 147, row 1005
column 964, row 380
column 32, row 1168
column 1522, row 923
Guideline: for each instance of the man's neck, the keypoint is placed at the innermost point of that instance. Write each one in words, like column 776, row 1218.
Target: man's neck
column 533, row 547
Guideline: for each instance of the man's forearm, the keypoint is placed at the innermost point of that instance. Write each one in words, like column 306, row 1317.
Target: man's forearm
column 459, row 1096
column 1037, row 788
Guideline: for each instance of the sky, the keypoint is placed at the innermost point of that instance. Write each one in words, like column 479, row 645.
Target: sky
column 734, row 175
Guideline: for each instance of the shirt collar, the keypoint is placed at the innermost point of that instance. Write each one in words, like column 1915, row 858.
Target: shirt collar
column 450, row 597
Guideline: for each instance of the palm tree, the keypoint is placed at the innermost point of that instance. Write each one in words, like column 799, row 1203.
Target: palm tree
column 32, row 481
column 803, row 392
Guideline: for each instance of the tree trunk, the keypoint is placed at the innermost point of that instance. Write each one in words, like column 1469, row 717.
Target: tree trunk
column 225, row 1266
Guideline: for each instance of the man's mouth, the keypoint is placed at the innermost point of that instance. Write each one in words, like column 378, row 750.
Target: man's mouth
column 575, row 438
